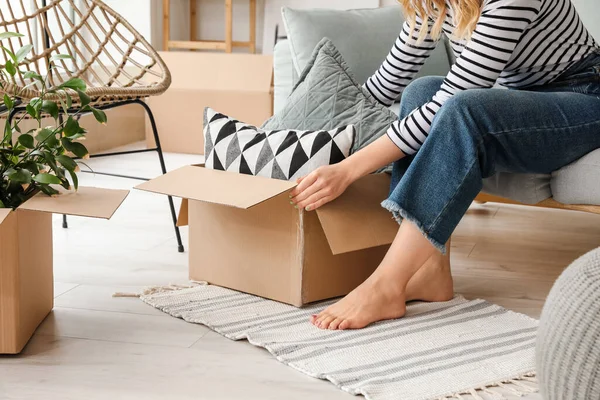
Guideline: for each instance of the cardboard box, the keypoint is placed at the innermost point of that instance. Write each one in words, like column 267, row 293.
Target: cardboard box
column 26, row 277
column 245, row 235
column 238, row 85
column 126, row 125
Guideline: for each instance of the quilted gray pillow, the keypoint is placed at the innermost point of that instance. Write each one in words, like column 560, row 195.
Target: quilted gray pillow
column 327, row 96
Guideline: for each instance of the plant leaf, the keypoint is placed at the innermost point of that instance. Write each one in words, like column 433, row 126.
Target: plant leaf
column 47, row 179
column 57, row 57
column 22, row 53
column 8, row 102
column 10, row 68
column 49, row 190
column 6, row 35
column 67, row 162
column 83, row 98
column 100, row 116
column 30, row 165
column 74, row 179
column 71, row 127
column 51, row 108
column 47, row 136
column 33, row 75
column 75, row 84
column 74, row 147
column 26, row 140
column 20, row 176
column 31, row 111
column 10, row 53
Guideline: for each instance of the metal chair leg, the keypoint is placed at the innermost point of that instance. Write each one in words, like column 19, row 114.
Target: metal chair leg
column 65, row 224
column 164, row 170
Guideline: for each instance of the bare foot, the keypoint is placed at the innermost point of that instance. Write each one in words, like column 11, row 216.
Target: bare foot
column 378, row 298
column 433, row 282
column 381, row 297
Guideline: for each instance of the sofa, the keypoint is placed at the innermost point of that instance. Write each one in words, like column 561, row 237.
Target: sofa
column 575, row 186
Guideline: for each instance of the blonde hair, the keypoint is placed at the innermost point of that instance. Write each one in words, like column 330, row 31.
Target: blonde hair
column 466, row 14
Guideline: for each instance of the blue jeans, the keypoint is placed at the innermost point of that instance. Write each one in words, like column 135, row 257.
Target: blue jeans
column 480, row 132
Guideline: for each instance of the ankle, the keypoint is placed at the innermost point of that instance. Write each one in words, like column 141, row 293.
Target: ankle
column 390, row 281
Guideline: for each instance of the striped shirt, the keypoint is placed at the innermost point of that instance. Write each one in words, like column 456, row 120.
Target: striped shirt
column 516, row 43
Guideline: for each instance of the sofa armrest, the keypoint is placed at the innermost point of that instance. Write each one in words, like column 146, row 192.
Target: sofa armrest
column 284, row 74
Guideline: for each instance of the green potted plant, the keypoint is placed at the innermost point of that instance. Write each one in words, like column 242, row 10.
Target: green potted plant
column 34, row 160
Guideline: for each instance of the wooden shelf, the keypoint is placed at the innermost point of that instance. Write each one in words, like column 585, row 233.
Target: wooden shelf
column 227, row 45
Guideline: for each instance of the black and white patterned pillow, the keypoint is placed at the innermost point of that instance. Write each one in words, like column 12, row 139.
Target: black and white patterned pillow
column 230, row 145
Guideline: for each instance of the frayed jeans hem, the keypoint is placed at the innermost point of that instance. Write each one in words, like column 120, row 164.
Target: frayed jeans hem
column 400, row 214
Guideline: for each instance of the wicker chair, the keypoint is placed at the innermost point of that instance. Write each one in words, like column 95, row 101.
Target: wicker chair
column 117, row 63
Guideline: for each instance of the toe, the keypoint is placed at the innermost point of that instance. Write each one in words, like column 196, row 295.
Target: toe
column 335, row 324
column 344, row 324
column 320, row 318
column 325, row 323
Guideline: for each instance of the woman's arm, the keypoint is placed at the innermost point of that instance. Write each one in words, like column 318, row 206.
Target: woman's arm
column 327, row 183
column 486, row 55
column 403, row 62
column 401, row 65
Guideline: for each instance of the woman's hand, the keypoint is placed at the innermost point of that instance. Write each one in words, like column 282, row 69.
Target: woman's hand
column 328, row 183
column 321, row 186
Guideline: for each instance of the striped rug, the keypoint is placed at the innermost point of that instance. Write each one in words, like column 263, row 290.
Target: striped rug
column 439, row 350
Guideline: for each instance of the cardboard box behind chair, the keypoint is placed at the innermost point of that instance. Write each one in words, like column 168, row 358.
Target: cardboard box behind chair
column 238, row 85
column 26, row 277
column 245, row 235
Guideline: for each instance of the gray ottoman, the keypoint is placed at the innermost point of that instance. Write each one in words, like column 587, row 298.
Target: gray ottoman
column 568, row 345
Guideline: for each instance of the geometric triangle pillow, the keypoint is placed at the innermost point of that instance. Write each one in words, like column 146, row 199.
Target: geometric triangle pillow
column 230, row 145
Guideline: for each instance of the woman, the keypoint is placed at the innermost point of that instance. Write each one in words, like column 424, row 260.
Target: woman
column 455, row 131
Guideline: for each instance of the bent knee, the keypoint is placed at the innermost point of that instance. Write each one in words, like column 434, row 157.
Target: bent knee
column 477, row 100
column 419, row 92
column 423, row 88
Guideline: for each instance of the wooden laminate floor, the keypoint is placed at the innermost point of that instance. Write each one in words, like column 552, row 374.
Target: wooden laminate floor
column 94, row 346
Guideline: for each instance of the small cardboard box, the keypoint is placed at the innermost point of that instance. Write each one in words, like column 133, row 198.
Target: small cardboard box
column 245, row 235
column 238, row 85
column 26, row 276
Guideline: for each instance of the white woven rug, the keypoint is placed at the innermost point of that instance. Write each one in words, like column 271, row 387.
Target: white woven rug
column 438, row 350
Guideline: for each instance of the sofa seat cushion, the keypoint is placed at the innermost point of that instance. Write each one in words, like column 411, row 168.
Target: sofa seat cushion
column 579, row 182
column 524, row 188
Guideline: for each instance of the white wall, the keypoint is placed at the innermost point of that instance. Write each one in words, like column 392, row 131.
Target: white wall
column 136, row 12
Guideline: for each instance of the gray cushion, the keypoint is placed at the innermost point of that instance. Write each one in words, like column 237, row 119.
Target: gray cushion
column 568, row 342
column 579, row 182
column 327, row 96
column 364, row 37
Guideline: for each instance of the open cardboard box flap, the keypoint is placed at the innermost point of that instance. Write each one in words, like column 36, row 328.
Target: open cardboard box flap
column 356, row 220
column 195, row 182
column 4, row 212
column 85, row 202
